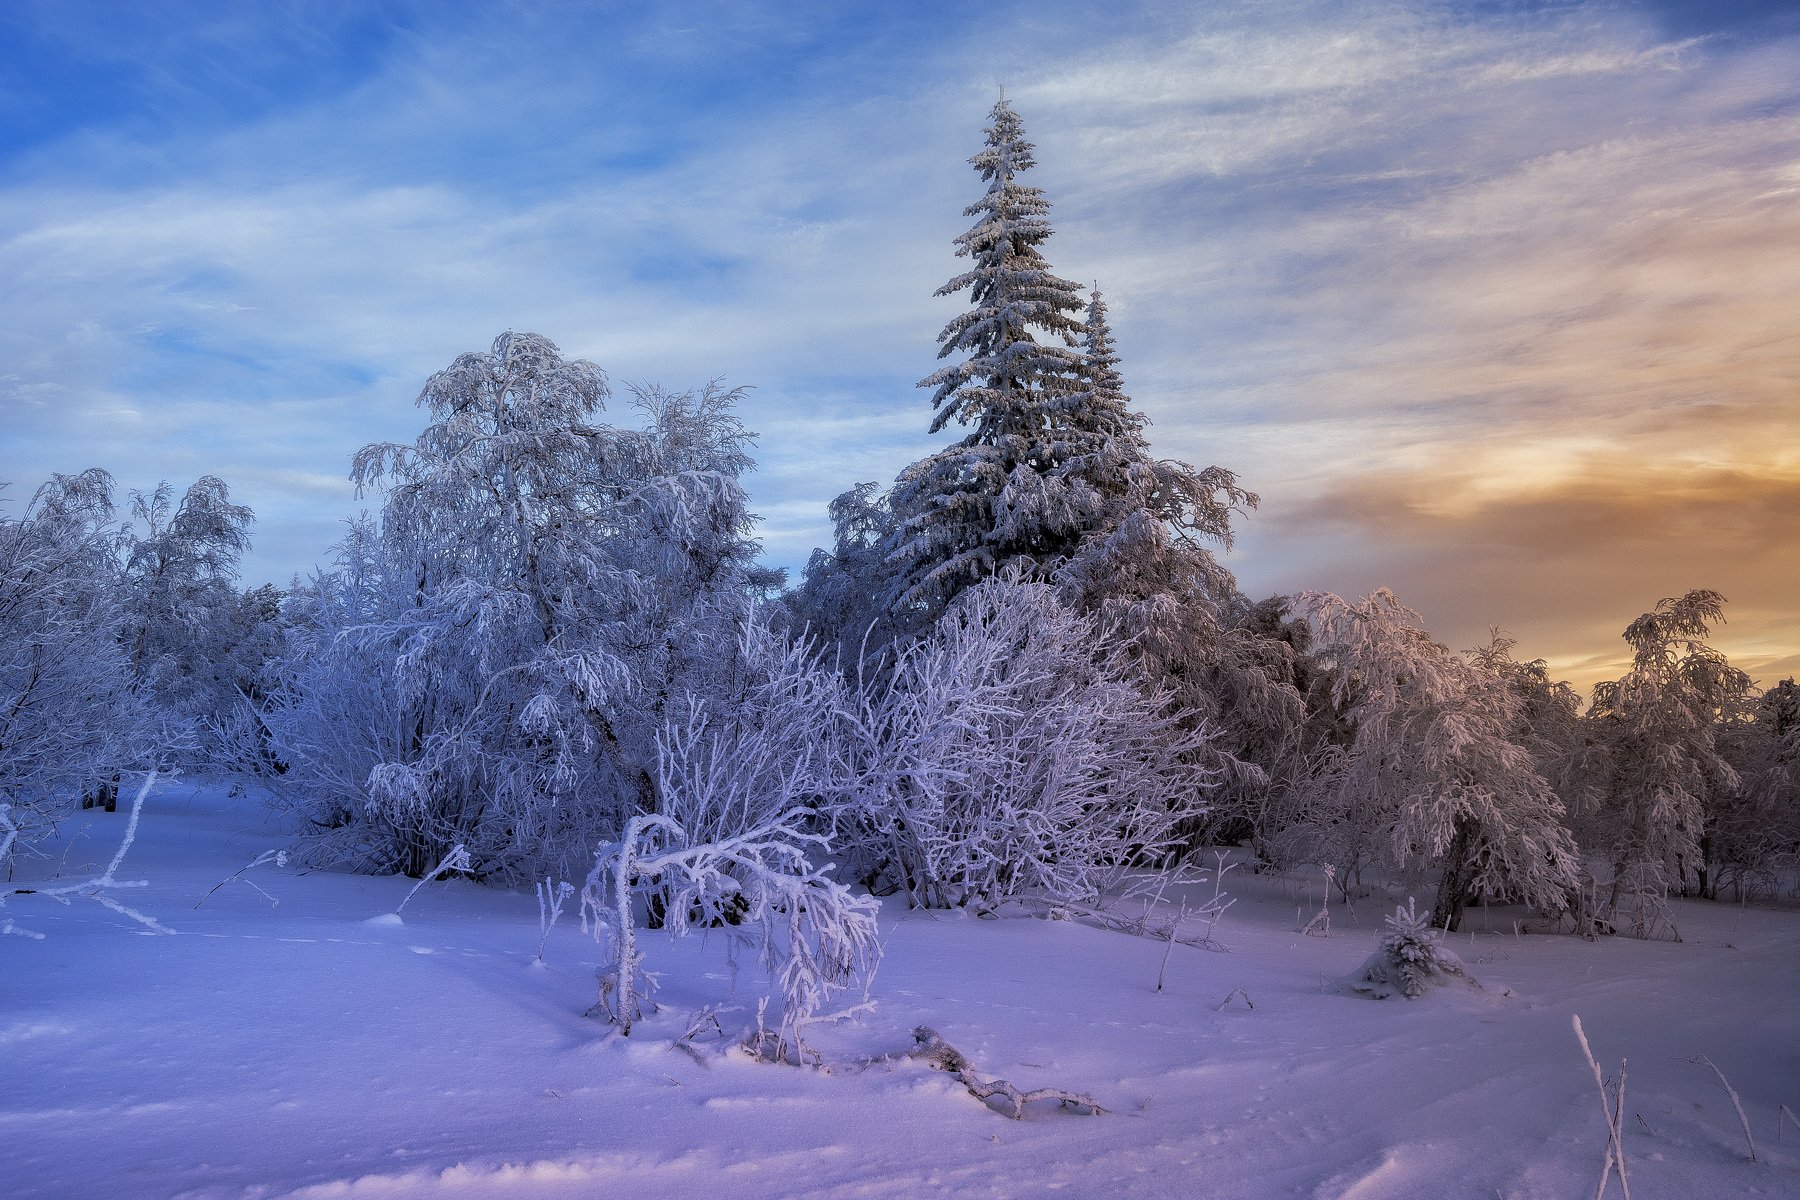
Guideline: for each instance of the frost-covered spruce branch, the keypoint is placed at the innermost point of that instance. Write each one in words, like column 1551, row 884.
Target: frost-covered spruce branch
column 97, row 887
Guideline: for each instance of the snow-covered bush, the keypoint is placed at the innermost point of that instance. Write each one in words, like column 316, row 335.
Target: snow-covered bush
column 1013, row 750
column 745, row 860
column 1411, row 959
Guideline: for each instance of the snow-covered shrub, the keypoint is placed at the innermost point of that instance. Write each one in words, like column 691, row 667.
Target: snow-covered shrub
column 738, row 845
column 1013, row 750
column 749, row 865
column 1411, row 959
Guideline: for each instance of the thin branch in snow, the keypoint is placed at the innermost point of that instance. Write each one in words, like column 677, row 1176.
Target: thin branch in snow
column 1735, row 1102
column 1610, row 1110
column 456, row 860
column 278, row 857
column 550, row 906
column 940, row 1055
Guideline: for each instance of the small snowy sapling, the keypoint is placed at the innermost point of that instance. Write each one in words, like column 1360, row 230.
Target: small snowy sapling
column 1411, row 959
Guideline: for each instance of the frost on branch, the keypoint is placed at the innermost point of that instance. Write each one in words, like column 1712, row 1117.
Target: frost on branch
column 1411, row 959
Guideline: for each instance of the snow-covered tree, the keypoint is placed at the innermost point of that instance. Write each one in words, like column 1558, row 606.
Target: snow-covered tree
column 1260, row 687
column 181, row 558
column 990, row 502
column 546, row 586
column 1752, row 839
column 71, row 715
column 1428, row 776
column 1055, row 479
column 1659, row 732
column 1014, row 750
column 1143, row 562
column 182, row 608
column 1410, row 960
column 843, row 594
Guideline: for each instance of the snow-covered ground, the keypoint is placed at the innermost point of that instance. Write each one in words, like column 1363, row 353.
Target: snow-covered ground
column 319, row 1047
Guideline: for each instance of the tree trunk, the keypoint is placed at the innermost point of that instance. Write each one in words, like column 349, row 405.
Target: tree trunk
column 1459, row 869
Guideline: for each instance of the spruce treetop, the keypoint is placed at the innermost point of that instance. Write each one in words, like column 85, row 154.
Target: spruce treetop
column 1002, row 388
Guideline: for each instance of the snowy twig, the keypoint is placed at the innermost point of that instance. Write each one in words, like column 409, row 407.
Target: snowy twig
column 1235, row 992
column 456, row 860
column 1615, row 1136
column 1789, row 1114
column 278, row 857
column 1735, row 1102
column 1322, row 919
column 550, row 906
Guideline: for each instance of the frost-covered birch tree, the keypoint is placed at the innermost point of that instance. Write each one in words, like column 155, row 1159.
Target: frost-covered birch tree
column 71, row 715
column 548, row 584
column 180, row 598
column 1659, row 729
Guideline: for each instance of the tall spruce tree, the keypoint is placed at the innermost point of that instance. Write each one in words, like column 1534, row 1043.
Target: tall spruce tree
column 992, row 500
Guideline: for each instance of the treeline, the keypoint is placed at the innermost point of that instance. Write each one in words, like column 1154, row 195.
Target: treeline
column 1019, row 671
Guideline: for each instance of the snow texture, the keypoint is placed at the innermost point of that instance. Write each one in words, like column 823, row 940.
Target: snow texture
column 298, row 1050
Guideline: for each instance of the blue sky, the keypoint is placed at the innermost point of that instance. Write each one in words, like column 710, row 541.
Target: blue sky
column 1492, row 303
